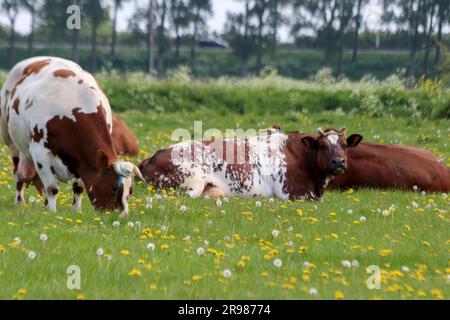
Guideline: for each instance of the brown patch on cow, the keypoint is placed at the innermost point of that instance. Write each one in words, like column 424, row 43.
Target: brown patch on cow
column 64, row 73
column 37, row 135
column 15, row 163
column 53, row 191
column 124, row 140
column 35, row 67
column 15, row 105
column 18, row 83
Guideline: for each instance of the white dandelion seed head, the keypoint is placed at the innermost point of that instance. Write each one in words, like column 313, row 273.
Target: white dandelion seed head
column 32, row 255
column 206, row 197
column 227, row 273
column 306, row 264
column 151, row 246
column 415, row 205
column 350, row 211
column 277, row 263
column 223, row 211
column 355, row 264
column 386, row 213
column 43, row 237
column 405, row 269
column 17, row 240
column 187, row 238
column 163, row 227
column 415, row 188
column 362, row 219
column 346, row 264
column 206, row 242
column 258, row 203
column 31, row 199
column 183, row 209
column 423, row 193
column 116, row 224
column 271, row 200
column 200, row 251
column 218, row 203
column 314, row 207
column 313, row 291
column 290, row 243
column 130, row 224
column 109, row 257
column 444, row 195
column 100, row 252
column 275, row 233
column 158, row 197
column 290, row 229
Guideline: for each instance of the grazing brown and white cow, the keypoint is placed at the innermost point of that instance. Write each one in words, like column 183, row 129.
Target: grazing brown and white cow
column 57, row 123
column 389, row 166
column 124, row 140
column 286, row 166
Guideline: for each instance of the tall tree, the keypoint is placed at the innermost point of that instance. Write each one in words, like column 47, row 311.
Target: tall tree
column 150, row 35
column 162, row 39
column 11, row 8
column 180, row 20
column 260, row 9
column 276, row 19
column 96, row 14
column 33, row 7
column 240, row 35
column 345, row 12
column 357, row 21
column 428, row 25
column 199, row 10
column 117, row 5
column 443, row 17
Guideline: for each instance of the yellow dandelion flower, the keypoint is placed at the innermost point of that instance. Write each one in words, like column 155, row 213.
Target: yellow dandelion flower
column 124, row 252
column 339, row 295
column 135, row 272
column 81, row 296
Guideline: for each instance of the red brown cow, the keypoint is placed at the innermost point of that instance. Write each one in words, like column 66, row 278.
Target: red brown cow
column 124, row 140
column 388, row 166
column 286, row 166
column 393, row 166
column 57, row 123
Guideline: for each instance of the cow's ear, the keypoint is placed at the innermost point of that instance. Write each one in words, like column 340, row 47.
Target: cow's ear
column 102, row 159
column 310, row 142
column 354, row 140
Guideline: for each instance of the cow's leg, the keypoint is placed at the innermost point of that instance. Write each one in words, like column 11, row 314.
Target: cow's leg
column 213, row 192
column 194, row 187
column 78, row 189
column 44, row 165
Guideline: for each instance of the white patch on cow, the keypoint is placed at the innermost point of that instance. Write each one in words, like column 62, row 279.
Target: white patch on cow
column 333, row 138
column 265, row 161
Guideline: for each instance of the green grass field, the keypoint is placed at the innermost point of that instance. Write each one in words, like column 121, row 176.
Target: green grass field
column 406, row 234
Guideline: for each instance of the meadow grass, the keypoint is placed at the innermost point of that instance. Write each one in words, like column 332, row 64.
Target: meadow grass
column 406, row 234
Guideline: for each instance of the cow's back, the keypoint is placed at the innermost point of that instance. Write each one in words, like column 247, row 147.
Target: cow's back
column 44, row 88
column 393, row 166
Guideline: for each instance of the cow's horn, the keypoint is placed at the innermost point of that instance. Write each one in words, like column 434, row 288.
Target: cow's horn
column 138, row 173
column 118, row 168
column 320, row 131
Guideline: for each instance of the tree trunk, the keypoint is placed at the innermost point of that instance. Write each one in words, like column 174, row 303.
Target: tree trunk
column 12, row 43
column 437, row 57
column 31, row 35
column 150, row 40
column 413, row 53
column 114, row 31
column 260, row 43
column 75, row 46
column 177, row 45
column 194, row 41
column 356, row 35
column 161, row 41
column 428, row 35
column 94, row 48
column 273, row 54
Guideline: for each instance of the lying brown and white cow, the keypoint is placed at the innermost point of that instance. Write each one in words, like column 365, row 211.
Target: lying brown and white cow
column 57, row 123
column 124, row 140
column 286, row 166
column 389, row 166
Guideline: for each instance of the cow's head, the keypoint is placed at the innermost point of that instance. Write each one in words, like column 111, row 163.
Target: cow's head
column 113, row 185
column 331, row 149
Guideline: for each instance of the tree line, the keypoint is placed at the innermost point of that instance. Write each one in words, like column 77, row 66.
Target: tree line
column 253, row 34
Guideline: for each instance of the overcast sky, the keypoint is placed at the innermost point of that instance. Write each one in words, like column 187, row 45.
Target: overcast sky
column 215, row 22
